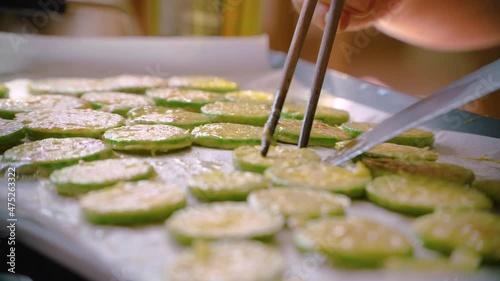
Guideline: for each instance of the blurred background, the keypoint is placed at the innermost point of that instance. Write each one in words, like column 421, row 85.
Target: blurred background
column 367, row 54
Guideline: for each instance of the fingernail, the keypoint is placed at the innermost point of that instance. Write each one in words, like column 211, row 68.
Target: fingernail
column 359, row 6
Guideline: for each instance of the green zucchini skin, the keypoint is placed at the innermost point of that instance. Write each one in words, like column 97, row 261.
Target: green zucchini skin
column 11, row 133
column 151, row 115
column 226, row 135
column 204, row 83
column 489, row 187
column 187, row 99
column 419, row 196
column 395, row 151
column 434, row 170
column 327, row 115
column 116, row 102
column 4, row 91
column 414, row 137
column 288, row 131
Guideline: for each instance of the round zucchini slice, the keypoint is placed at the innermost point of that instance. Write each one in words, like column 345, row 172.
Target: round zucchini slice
column 322, row 176
column 226, row 135
column 327, row 115
column 288, row 131
column 228, row 261
column 222, row 186
column 396, row 151
column 152, row 138
column 248, row 158
column 88, row 176
column 352, row 241
column 450, row 230
column 115, row 102
column 161, row 115
column 9, row 108
column 65, row 86
column 226, row 220
column 237, row 112
column 413, row 137
column 299, row 205
column 418, row 196
column 433, row 170
column 489, row 187
column 137, row 84
column 129, row 203
column 53, row 123
column 11, row 132
column 186, row 99
column 49, row 154
column 204, row 83
column 4, row 91
column 250, row 96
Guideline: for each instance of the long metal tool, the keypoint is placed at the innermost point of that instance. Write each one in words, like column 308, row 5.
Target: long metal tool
column 292, row 58
column 469, row 88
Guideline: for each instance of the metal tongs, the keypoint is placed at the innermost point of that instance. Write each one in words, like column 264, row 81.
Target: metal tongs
column 471, row 87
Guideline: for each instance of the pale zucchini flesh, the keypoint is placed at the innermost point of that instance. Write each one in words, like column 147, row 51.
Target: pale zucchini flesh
column 129, row 203
column 248, row 158
column 55, row 153
column 186, row 99
column 418, row 196
column 322, row 176
column 237, row 112
column 328, row 115
column 89, row 176
column 152, row 138
column 352, row 241
column 413, row 137
column 9, row 108
column 11, row 132
column 68, row 123
column 228, row 261
column 166, row 116
column 450, row 230
column 396, row 151
column 250, row 96
column 288, row 131
column 427, row 169
column 226, row 135
column 65, row 86
column 137, row 84
column 226, row 220
column 225, row 186
column 116, row 102
column 299, row 205
column 204, row 83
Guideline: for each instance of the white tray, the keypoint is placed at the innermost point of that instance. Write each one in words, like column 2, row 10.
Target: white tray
column 53, row 225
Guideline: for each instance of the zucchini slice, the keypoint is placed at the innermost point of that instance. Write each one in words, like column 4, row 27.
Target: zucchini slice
column 9, row 108
column 11, row 132
column 228, row 261
column 288, row 131
column 4, row 91
column 204, row 83
column 147, row 138
column 132, row 203
column 352, row 241
column 226, row 135
column 161, row 115
column 186, row 99
column 250, row 96
column 327, row 115
column 237, row 112
column 450, row 230
column 54, row 123
column 489, row 187
column 88, row 176
column 413, row 137
column 322, row 176
column 396, row 151
column 49, row 154
column 433, row 170
column 65, row 86
column 115, row 102
column 226, row 220
column 137, row 84
column 248, row 158
column 299, row 205
column 418, row 196
column 222, row 186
